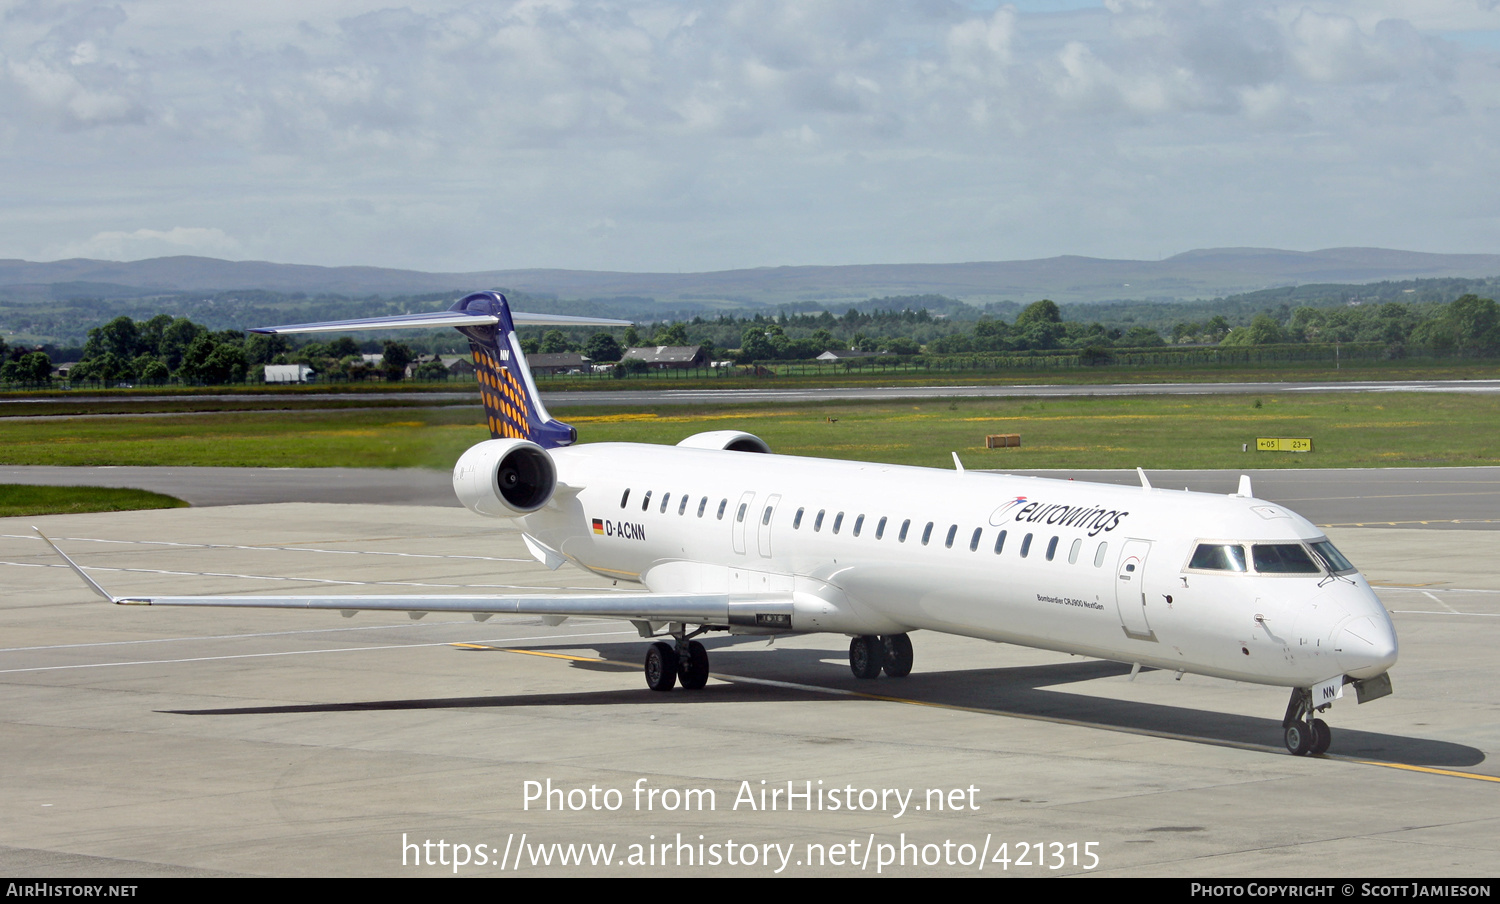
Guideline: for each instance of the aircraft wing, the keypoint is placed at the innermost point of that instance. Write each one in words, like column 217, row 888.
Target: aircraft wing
column 711, row 608
column 760, row 610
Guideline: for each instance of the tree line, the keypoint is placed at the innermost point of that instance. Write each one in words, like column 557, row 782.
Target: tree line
column 165, row 349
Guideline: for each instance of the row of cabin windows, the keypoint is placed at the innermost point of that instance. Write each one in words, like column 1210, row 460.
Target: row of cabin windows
column 859, row 524
column 682, row 504
column 948, row 541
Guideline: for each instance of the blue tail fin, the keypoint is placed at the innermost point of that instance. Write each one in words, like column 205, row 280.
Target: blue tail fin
column 512, row 405
column 511, row 402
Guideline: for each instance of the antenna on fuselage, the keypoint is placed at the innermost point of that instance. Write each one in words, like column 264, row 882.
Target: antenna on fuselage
column 958, row 465
column 1145, row 484
column 1244, row 489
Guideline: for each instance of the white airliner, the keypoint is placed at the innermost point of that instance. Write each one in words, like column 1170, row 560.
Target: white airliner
column 724, row 536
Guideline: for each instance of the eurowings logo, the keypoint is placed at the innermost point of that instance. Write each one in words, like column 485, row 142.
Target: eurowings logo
column 1093, row 519
column 1004, row 510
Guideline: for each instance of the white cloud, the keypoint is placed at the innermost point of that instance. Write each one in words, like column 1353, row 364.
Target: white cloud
column 147, row 243
column 460, row 135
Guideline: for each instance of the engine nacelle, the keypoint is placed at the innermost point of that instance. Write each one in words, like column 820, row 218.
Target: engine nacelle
column 503, row 478
column 726, row 440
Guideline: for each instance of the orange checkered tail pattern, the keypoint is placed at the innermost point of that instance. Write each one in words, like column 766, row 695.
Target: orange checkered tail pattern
column 512, row 406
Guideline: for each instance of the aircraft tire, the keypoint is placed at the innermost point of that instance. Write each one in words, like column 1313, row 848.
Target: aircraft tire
column 898, row 655
column 866, row 656
column 692, row 672
column 661, row 667
column 1322, row 736
column 1299, row 738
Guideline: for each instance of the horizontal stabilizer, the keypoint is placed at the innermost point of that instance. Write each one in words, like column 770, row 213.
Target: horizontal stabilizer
column 436, row 319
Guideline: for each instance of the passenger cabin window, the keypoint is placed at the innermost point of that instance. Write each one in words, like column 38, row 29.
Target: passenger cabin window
column 740, row 515
column 723, row 504
column 666, row 498
column 974, row 540
column 818, row 521
column 1283, row 558
column 1025, row 545
column 797, row 521
column 646, row 501
column 702, row 506
column 999, row 543
column 880, row 528
column 1099, row 554
column 927, row 533
column 1073, row 552
column 952, row 532
column 1219, row 557
column 625, row 498
column 765, row 518
column 682, row 506
column 838, row 522
column 905, row 526
column 1051, row 548
column 858, row 523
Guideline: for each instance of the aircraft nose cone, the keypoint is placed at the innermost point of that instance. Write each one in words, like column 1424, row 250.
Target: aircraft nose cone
column 1365, row 646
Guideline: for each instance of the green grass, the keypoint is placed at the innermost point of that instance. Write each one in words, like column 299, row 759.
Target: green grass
column 1348, row 430
column 18, row 501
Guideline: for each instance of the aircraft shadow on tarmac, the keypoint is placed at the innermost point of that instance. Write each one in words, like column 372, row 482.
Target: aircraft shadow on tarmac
column 1022, row 692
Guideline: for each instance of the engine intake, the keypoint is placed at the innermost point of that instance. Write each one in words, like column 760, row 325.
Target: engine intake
column 503, row 478
column 727, row 441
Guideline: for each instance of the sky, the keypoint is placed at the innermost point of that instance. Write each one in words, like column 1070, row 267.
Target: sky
column 679, row 135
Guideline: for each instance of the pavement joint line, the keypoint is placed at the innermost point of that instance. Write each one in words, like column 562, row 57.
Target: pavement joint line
column 336, row 552
column 122, row 643
column 1453, row 773
column 1436, row 612
column 272, row 577
column 393, row 646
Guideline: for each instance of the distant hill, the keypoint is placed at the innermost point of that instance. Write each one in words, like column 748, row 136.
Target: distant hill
column 1206, row 273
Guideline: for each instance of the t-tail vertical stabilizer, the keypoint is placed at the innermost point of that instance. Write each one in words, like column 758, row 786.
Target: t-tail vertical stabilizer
column 513, row 408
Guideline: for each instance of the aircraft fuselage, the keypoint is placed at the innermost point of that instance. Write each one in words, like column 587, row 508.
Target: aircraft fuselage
column 1097, row 570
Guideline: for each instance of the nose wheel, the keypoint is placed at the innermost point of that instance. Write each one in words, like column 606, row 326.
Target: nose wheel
column 1304, row 733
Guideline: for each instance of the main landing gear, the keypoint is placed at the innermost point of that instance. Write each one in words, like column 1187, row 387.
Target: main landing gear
column 686, row 662
column 868, row 654
column 1305, row 733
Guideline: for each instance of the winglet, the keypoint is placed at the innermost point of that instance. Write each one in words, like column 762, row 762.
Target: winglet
column 74, row 565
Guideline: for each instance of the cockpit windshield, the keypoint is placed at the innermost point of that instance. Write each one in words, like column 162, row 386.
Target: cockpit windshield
column 1283, row 558
column 1317, row 557
column 1332, row 557
column 1219, row 557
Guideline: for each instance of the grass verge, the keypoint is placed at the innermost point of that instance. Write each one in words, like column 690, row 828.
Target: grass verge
column 18, row 500
column 1347, row 429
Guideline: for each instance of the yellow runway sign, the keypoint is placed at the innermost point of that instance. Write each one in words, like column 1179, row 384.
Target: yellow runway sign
column 1282, row 444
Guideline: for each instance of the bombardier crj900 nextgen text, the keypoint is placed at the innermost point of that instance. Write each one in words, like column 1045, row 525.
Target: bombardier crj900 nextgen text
column 726, row 537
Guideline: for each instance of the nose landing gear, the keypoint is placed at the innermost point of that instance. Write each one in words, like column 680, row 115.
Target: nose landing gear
column 1304, row 733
